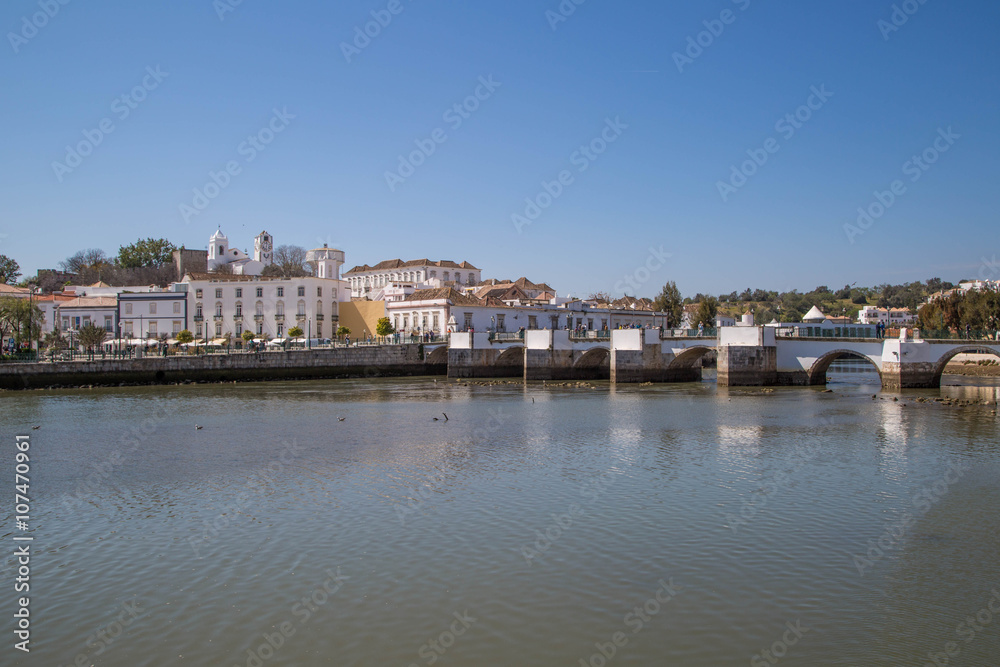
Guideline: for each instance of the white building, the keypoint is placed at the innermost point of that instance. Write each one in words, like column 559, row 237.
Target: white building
column 368, row 282
column 268, row 306
column 445, row 309
column 220, row 253
column 150, row 314
column 893, row 317
column 73, row 314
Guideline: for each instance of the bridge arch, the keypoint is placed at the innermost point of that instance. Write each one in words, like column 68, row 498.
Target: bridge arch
column 690, row 357
column 817, row 373
column 512, row 356
column 951, row 354
column 438, row 355
column 595, row 357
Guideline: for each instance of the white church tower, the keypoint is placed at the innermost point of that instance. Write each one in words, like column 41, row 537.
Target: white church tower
column 218, row 249
column 263, row 248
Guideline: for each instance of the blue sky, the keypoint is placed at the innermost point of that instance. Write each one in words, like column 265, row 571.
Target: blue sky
column 555, row 86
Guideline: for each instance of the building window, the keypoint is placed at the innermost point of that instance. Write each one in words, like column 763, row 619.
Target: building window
column 468, row 321
column 334, row 293
column 281, row 329
column 279, row 308
column 128, row 330
column 239, row 309
column 532, row 321
column 65, row 323
column 239, row 328
column 500, row 322
column 259, row 308
column 260, row 328
column 218, row 310
column 176, row 327
column 177, row 307
column 436, row 321
column 152, row 328
column 197, row 330
column 108, row 326
column 218, row 329
column 319, row 307
column 239, row 292
column 197, row 310
column 302, row 308
column 197, row 294
column 128, row 308
column 319, row 291
column 218, row 292
column 458, row 277
column 152, row 308
column 281, row 292
column 86, row 320
column 590, row 323
column 260, row 292
column 302, row 290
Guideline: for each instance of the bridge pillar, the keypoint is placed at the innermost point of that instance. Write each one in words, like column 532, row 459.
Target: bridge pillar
column 637, row 356
column 472, row 356
column 908, row 364
column 748, row 357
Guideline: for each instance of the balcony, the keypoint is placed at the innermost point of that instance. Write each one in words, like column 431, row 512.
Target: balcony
column 279, row 317
column 237, row 317
column 199, row 318
column 259, row 317
column 300, row 316
column 319, row 317
column 217, row 318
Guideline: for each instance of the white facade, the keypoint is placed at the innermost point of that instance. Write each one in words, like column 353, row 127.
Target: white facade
column 888, row 316
column 151, row 314
column 268, row 307
column 444, row 314
column 368, row 281
column 100, row 311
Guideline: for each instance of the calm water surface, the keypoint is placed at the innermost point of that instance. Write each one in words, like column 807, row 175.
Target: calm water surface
column 536, row 526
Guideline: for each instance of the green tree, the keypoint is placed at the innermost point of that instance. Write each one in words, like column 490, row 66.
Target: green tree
column 145, row 253
column 9, row 270
column 18, row 317
column 295, row 332
column 670, row 302
column 708, row 308
column 91, row 336
column 343, row 331
column 247, row 336
column 384, row 327
column 185, row 336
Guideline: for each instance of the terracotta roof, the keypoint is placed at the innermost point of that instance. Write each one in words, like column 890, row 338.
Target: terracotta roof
column 399, row 264
column 91, row 302
column 456, row 298
column 230, row 277
column 11, row 290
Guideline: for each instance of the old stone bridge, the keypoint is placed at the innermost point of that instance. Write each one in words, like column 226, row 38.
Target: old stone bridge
column 747, row 356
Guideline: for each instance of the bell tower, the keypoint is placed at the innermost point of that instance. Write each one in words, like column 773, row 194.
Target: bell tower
column 263, row 248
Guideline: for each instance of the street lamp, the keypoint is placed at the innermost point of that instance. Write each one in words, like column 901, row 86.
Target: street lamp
column 309, row 333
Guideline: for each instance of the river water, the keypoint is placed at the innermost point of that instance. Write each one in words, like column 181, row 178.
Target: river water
column 681, row 524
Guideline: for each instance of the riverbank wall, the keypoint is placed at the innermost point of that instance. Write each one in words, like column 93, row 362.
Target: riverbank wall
column 375, row 361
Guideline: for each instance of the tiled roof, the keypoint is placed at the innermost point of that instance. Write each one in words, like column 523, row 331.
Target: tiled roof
column 400, row 264
column 91, row 302
column 11, row 290
column 456, row 298
column 230, row 277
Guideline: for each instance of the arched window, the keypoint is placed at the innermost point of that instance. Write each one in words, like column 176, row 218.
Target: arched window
column 302, row 308
column 319, row 307
column 279, row 308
